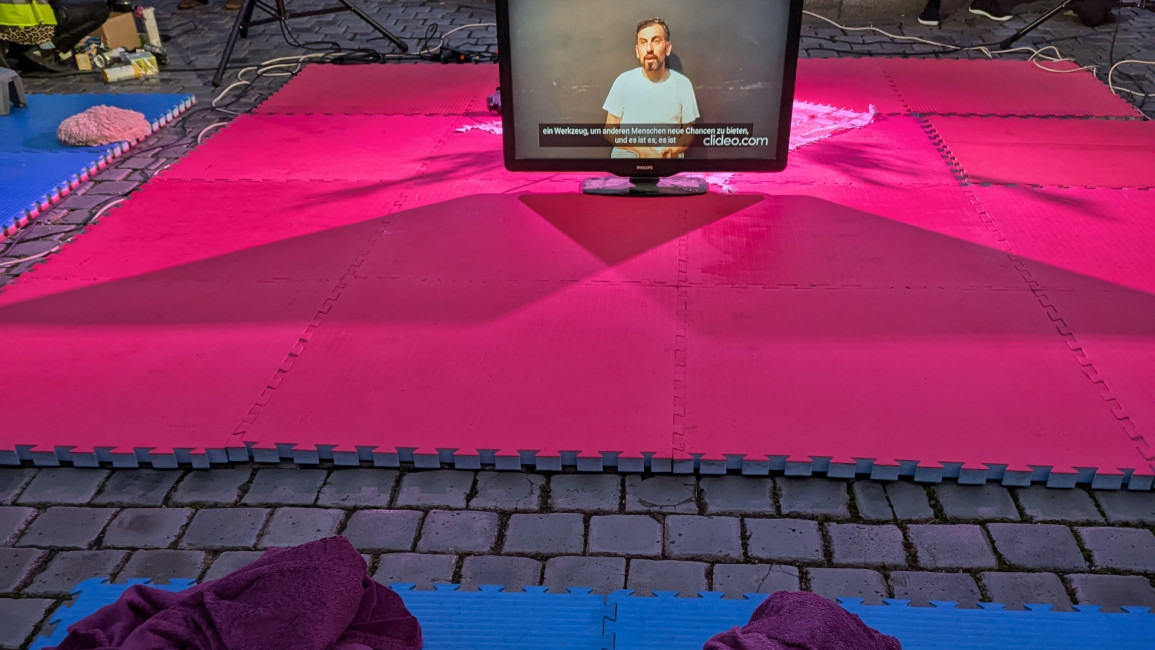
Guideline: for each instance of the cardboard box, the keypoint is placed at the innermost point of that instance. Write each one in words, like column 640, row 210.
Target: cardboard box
column 119, row 31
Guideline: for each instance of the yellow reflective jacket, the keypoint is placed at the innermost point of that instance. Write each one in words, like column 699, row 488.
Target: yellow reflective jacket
column 26, row 13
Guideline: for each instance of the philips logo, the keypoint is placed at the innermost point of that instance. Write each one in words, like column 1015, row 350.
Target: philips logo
column 644, row 167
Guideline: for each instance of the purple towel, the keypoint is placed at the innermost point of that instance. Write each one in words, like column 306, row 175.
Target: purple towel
column 802, row 621
column 317, row 596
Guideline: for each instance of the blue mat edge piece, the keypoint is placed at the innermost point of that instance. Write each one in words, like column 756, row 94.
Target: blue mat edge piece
column 10, row 224
column 93, row 593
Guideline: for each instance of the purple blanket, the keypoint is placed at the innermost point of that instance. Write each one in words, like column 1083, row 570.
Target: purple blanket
column 802, row 621
column 316, row 596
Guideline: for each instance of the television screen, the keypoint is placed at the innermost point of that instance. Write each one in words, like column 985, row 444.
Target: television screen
column 647, row 88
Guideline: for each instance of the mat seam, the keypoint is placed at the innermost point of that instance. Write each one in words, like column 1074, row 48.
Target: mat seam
column 1086, row 366
column 266, row 394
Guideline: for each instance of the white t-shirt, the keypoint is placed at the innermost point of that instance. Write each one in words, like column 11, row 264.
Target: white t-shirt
column 637, row 100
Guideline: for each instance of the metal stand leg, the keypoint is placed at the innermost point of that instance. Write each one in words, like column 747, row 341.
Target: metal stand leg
column 1006, row 44
column 244, row 22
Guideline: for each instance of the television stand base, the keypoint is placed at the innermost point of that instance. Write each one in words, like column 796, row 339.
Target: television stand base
column 644, row 186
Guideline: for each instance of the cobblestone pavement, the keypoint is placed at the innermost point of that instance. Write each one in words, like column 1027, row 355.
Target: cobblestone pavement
column 733, row 534
column 608, row 531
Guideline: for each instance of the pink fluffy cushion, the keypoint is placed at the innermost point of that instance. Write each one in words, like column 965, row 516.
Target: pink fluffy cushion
column 103, row 125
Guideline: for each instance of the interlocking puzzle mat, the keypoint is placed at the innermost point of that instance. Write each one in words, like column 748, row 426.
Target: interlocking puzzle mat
column 345, row 287
column 1003, row 87
column 39, row 170
column 855, row 84
column 386, row 89
column 1070, row 153
column 494, row 618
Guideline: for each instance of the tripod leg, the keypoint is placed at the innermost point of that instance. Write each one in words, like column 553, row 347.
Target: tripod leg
column 242, row 20
column 401, row 45
column 1006, row 44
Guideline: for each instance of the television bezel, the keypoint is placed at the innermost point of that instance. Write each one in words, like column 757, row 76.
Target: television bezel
column 645, row 167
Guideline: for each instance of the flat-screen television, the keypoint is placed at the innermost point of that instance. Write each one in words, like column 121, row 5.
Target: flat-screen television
column 646, row 89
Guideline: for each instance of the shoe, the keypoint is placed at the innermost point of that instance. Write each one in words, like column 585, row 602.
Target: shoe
column 990, row 10
column 233, row 5
column 929, row 15
column 45, row 62
column 190, row 4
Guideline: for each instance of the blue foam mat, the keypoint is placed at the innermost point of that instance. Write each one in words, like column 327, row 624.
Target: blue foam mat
column 494, row 618
column 33, row 128
column 37, row 169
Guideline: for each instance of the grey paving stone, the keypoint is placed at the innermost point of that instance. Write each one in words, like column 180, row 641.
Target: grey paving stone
column 1038, row 546
column 13, row 520
column 362, row 487
column 1127, row 507
column 224, row 528
column 420, row 569
column 601, row 574
column 1129, row 549
column 163, row 565
column 951, row 546
column 920, row 588
column 508, row 492
column 707, row 538
column 848, row 583
column 230, row 561
column 137, row 487
column 784, row 540
column 17, row 565
column 447, row 531
column 62, row 485
column 547, row 534
column 871, row 502
column 867, row 545
column 686, row 578
column 290, row 527
column 909, row 501
column 70, row 567
column 734, row 580
column 814, row 497
column 586, row 492
column 146, row 527
column 1041, row 503
column 738, row 495
column 383, row 530
column 13, row 480
column 435, row 489
column 21, row 618
column 1112, row 592
column 66, row 527
column 677, row 494
column 513, row 573
column 285, row 487
column 1018, row 589
column 625, row 535
column 986, row 502
column 214, row 487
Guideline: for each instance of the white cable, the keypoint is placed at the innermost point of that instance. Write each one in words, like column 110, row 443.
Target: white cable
column 1111, row 74
column 95, row 217
column 215, row 125
column 441, row 41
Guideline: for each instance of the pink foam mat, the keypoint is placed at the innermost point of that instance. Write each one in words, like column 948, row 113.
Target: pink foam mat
column 129, row 365
column 894, row 150
column 1025, row 151
column 1002, row 87
column 381, row 149
column 386, row 89
column 477, row 366
column 947, row 377
column 840, row 240
column 302, row 231
column 856, row 84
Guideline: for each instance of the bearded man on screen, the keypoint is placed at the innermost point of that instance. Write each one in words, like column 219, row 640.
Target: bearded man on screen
column 651, row 94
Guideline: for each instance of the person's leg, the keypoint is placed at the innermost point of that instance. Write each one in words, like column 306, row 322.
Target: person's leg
column 76, row 19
